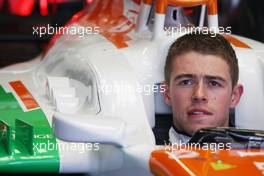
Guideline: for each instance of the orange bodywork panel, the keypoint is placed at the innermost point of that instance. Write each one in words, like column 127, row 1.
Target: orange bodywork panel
column 211, row 4
column 109, row 16
column 205, row 162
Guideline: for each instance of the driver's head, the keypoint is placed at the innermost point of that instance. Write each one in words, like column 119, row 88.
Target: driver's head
column 201, row 74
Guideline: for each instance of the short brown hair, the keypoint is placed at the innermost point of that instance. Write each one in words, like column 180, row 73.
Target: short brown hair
column 214, row 44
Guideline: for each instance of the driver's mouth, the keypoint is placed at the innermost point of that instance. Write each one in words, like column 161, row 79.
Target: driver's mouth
column 198, row 112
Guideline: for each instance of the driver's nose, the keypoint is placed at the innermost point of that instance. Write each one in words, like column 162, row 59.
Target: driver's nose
column 199, row 93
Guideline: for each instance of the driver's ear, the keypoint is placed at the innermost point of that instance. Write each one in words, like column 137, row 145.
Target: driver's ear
column 236, row 95
column 166, row 92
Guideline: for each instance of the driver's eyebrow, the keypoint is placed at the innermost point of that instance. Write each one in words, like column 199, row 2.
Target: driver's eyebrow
column 180, row 76
column 210, row 77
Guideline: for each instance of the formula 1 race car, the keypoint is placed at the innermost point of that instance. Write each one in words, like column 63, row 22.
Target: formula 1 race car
column 88, row 104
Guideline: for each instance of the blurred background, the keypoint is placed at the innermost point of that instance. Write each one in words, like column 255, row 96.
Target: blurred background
column 18, row 17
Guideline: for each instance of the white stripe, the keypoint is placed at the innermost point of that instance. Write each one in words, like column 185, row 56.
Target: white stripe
column 181, row 163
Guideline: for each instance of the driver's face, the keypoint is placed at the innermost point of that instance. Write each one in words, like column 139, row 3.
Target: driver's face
column 200, row 92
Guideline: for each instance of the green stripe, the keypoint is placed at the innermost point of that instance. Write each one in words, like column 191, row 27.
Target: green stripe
column 26, row 139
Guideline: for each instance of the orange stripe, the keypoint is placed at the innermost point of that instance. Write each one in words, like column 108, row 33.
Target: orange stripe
column 25, row 96
column 149, row 2
column 236, row 42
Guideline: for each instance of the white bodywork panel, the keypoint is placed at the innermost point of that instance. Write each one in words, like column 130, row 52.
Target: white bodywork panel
column 121, row 121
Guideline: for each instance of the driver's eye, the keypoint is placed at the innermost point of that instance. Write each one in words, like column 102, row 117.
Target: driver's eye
column 214, row 83
column 186, row 82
